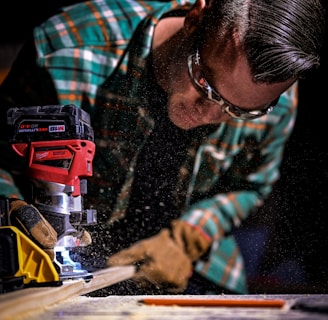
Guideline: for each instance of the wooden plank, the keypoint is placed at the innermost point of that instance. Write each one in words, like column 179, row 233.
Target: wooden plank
column 17, row 303
column 106, row 277
column 130, row 307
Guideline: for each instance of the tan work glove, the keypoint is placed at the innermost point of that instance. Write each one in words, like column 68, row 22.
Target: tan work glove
column 31, row 222
column 165, row 259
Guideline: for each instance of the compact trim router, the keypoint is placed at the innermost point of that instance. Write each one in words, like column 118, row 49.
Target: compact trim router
column 57, row 143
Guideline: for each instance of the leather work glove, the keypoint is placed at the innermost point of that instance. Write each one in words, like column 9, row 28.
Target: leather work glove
column 31, row 222
column 165, row 259
column 83, row 238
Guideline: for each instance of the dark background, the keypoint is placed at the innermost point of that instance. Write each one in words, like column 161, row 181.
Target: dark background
column 291, row 230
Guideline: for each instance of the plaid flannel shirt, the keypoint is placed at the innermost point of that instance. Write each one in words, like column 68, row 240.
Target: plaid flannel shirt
column 95, row 53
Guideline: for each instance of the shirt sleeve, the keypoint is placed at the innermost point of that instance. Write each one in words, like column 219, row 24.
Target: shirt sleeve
column 251, row 171
column 7, row 186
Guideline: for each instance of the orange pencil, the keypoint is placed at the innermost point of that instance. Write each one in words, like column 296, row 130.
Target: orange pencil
column 238, row 303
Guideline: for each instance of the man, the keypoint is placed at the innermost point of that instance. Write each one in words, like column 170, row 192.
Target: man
column 191, row 104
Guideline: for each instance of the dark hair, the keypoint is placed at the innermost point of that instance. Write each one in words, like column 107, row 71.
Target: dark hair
column 281, row 39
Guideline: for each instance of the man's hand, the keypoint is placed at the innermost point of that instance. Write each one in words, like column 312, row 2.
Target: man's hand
column 31, row 222
column 165, row 259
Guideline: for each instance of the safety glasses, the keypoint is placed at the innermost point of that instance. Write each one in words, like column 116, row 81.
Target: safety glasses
column 198, row 79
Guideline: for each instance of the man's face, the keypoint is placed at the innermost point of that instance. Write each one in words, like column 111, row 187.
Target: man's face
column 190, row 105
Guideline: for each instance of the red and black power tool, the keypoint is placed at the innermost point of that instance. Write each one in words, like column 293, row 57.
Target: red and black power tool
column 57, row 144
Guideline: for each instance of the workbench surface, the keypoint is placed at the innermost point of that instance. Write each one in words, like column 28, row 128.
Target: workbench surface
column 131, row 307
